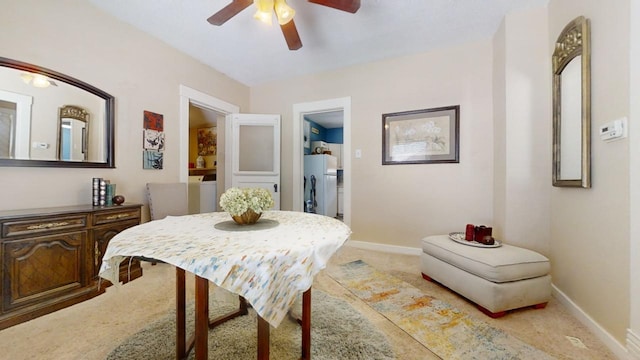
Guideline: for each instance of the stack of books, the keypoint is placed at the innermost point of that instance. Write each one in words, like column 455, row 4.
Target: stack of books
column 102, row 192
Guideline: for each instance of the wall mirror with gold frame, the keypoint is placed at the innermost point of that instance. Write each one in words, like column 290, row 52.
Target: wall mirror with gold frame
column 571, row 63
column 53, row 120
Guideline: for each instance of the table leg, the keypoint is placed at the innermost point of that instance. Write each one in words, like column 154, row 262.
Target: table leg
column 263, row 339
column 202, row 318
column 201, row 333
column 306, row 325
column 181, row 352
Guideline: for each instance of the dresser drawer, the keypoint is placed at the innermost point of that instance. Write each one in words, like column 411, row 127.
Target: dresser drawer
column 110, row 216
column 40, row 225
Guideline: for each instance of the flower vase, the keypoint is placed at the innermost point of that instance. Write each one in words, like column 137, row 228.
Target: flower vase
column 200, row 162
column 247, row 218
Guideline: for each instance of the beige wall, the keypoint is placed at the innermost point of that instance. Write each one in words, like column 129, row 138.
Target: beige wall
column 522, row 129
column 400, row 204
column 140, row 71
column 633, row 337
column 590, row 228
column 499, row 131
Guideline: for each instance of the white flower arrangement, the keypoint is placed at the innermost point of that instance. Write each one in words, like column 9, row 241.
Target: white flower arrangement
column 236, row 201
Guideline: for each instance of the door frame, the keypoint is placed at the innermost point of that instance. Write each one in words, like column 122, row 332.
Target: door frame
column 206, row 101
column 22, row 123
column 301, row 109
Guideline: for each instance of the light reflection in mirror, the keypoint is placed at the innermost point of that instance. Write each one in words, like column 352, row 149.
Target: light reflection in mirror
column 571, row 126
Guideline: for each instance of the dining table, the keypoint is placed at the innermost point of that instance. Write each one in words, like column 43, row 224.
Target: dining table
column 268, row 264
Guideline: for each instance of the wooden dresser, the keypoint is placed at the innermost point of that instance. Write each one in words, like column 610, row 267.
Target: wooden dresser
column 50, row 257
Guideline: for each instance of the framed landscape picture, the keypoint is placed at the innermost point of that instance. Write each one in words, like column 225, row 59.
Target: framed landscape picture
column 421, row 136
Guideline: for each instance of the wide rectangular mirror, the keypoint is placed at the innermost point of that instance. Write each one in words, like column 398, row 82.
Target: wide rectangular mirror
column 572, row 106
column 50, row 119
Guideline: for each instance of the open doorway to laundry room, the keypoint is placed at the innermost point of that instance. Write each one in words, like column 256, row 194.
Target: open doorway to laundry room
column 323, row 179
column 202, row 144
column 322, row 133
column 204, row 136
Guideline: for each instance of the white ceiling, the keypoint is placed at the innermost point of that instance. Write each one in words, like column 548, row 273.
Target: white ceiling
column 328, row 119
column 254, row 53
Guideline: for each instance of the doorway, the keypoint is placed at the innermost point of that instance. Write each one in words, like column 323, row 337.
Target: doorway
column 203, row 159
column 194, row 99
column 312, row 109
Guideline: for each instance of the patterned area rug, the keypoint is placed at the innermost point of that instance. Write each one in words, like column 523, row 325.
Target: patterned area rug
column 443, row 329
column 337, row 332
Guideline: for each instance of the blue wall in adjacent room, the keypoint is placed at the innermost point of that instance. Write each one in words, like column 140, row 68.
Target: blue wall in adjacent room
column 334, row 136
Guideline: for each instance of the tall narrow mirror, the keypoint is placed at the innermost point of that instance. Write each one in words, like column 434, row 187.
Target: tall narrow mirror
column 572, row 106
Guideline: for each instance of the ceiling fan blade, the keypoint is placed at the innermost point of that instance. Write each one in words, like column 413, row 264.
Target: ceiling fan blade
column 345, row 5
column 229, row 11
column 291, row 35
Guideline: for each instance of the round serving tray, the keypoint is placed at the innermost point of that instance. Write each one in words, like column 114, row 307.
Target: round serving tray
column 459, row 238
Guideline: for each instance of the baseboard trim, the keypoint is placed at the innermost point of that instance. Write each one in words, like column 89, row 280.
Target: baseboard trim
column 609, row 341
column 394, row 249
column 633, row 345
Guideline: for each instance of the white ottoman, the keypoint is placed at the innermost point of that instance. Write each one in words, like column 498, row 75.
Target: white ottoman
column 496, row 279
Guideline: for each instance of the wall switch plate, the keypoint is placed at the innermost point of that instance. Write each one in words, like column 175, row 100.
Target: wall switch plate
column 614, row 130
column 358, row 153
column 39, row 145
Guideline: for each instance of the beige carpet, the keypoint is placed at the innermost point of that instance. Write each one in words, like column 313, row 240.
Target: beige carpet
column 92, row 329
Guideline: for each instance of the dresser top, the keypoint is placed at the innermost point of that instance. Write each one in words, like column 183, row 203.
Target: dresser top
column 63, row 210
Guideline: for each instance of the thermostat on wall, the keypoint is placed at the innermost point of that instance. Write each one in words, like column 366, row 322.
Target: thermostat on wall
column 614, row 130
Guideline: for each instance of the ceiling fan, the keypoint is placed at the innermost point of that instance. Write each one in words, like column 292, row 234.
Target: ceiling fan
column 284, row 13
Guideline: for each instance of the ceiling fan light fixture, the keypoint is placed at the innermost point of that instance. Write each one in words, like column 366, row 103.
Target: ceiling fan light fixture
column 264, row 11
column 284, row 12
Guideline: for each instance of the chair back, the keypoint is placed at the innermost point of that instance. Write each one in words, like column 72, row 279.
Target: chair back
column 167, row 199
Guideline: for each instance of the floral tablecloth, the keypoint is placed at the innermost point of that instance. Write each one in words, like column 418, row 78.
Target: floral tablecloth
column 268, row 266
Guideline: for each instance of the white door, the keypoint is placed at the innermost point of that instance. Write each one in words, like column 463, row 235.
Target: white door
column 253, row 152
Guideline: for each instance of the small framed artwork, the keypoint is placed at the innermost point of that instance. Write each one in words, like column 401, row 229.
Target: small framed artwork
column 421, row 136
column 207, row 141
column 152, row 160
column 153, row 140
column 153, row 121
